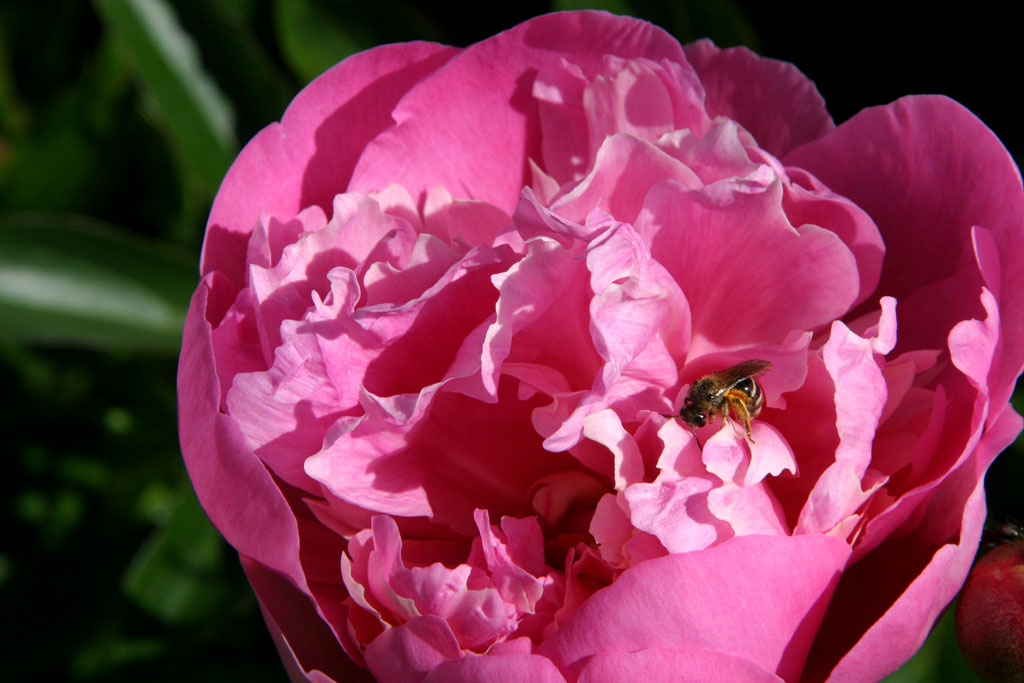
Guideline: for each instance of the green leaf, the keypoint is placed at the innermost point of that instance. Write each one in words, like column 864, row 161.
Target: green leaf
column 239, row 61
column 724, row 21
column 314, row 38
column 166, row 61
column 177, row 574
column 72, row 280
column 614, row 6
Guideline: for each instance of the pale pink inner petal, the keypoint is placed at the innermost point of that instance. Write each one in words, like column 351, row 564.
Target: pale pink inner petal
column 624, row 170
column 714, row 241
column 644, row 99
column 676, row 513
column 411, row 650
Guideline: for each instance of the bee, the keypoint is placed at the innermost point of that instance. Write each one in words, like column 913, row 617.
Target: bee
column 732, row 389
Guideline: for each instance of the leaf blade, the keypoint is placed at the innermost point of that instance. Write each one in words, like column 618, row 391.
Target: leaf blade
column 70, row 280
column 166, row 61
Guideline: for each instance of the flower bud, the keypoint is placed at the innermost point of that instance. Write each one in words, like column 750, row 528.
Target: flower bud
column 990, row 615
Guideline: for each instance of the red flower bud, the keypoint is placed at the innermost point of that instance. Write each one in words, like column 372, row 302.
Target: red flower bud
column 990, row 615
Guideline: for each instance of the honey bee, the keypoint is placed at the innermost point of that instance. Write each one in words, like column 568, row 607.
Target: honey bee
column 716, row 394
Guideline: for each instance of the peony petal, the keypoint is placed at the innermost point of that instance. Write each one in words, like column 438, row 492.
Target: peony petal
column 673, row 664
column 676, row 513
column 926, row 222
column 307, row 646
column 860, row 394
column 885, row 604
column 748, row 509
column 222, row 467
column 637, row 308
column 715, row 242
column 515, row 584
column 508, row 668
column 644, row 99
column 286, row 411
column 633, row 324
column 809, row 202
column 309, row 157
column 451, row 455
column 236, row 339
column 410, row 651
column 770, row 454
column 462, row 220
column 441, row 139
column 624, row 169
column 758, row 597
column 771, row 99
column 542, row 307
column 972, row 343
column 605, row 427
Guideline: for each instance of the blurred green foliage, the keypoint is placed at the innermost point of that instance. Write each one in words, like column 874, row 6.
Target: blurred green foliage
column 118, row 119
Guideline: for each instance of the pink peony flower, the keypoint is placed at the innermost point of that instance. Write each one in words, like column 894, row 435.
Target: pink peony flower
column 447, row 301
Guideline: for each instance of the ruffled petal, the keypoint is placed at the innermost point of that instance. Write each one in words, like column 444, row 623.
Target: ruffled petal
column 308, row 157
column 758, row 597
column 509, row 668
column 220, row 463
column 440, row 139
column 926, row 224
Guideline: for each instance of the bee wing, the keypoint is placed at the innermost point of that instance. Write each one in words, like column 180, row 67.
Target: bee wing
column 730, row 377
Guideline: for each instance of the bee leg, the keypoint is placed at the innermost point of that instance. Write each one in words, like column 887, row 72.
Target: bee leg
column 737, row 401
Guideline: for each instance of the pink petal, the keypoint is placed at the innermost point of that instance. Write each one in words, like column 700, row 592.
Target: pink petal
column 972, row 343
column 307, row 646
column 451, row 455
column 474, row 610
column 723, row 152
column 676, row 513
column 700, row 235
column 624, row 169
column 543, row 308
column 758, row 597
column 514, row 583
column 605, row 427
column 887, row 602
column 748, row 509
column 666, row 664
column 643, row 99
column 773, row 100
column 236, row 339
column 637, row 307
column 860, row 393
column 635, row 319
column 222, row 467
column 285, row 411
column 442, row 140
column 926, row 224
column 610, row 526
column 860, row 396
column 508, row 668
column 410, row 651
column 308, row 157
column 462, row 220
column 770, row 454
column 808, row 201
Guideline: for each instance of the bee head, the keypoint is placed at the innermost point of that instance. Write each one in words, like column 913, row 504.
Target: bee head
column 692, row 415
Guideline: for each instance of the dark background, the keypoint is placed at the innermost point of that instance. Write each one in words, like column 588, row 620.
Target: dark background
column 108, row 569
